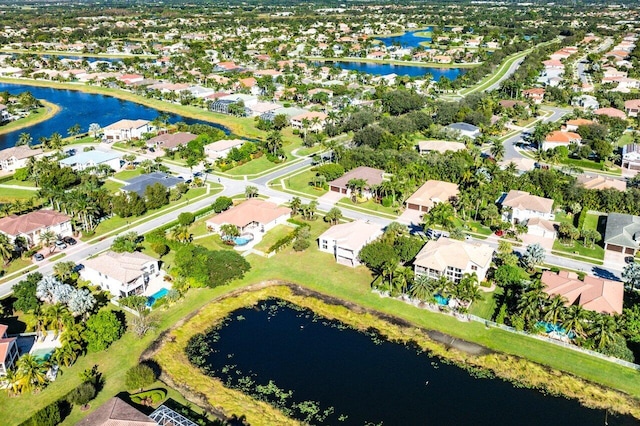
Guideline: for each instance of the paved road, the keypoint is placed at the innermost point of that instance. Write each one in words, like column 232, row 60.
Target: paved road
column 512, row 69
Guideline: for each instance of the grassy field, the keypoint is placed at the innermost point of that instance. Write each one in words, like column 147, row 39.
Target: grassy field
column 486, row 307
column 369, row 205
column 112, row 186
column 262, row 164
column 15, row 265
column 8, row 195
column 597, row 252
column 26, row 183
column 625, row 139
column 128, row 174
column 44, row 113
column 272, row 236
column 300, row 183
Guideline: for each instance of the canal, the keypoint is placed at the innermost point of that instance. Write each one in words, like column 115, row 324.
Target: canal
column 83, row 109
column 341, row 376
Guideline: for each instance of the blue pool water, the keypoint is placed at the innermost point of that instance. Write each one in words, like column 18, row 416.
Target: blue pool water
column 156, row 296
column 243, row 239
column 441, row 300
column 43, row 354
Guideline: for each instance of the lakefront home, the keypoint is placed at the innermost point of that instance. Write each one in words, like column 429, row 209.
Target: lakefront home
column 90, row 159
column 452, row 259
column 16, row 157
column 32, row 225
column 122, row 274
column 592, row 293
column 125, row 130
column 170, row 141
column 253, row 214
column 345, row 240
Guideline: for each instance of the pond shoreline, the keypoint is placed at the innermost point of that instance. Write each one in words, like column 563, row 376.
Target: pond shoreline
column 168, row 351
column 51, row 110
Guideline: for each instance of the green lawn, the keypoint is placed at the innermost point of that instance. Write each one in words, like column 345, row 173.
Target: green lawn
column 261, row 164
column 26, row 183
column 368, row 205
column 112, row 186
column 8, row 195
column 625, row 139
column 309, row 150
column 15, row 265
column 272, row 236
column 199, row 227
column 128, row 174
column 592, row 221
column 212, row 242
column 485, row 308
column 577, row 248
column 300, row 183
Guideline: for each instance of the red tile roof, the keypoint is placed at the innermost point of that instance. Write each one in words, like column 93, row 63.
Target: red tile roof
column 23, row 224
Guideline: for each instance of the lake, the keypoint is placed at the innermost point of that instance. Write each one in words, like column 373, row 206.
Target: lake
column 410, row 70
column 84, row 109
column 356, row 378
column 408, row 39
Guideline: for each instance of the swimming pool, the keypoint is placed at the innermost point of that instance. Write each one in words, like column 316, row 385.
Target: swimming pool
column 42, row 354
column 243, row 239
column 441, row 300
column 156, row 296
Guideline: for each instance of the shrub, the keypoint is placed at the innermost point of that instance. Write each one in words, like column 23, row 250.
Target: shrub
column 139, row 377
column 48, row 416
column 82, row 394
column 102, row 330
column 160, row 248
column 186, row 218
column 21, row 174
column 387, row 201
column 221, row 204
column 151, row 397
column 301, row 244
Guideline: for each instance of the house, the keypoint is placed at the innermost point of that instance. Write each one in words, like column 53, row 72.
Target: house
column 586, row 102
column 631, row 157
column 140, row 183
column 572, row 125
column 221, row 148
column 5, row 115
column 611, row 112
column 440, row 146
column 370, row 175
column 622, row 233
column 632, row 107
column 592, row 293
column 170, row 141
column 346, row 240
column 559, row 138
column 125, row 130
column 116, row 412
column 315, row 119
column 90, row 159
column 32, row 225
column 122, row 274
column 8, row 350
column 17, row 157
column 536, row 95
column 464, row 129
column 522, row 164
column 253, row 214
column 520, row 206
column 601, row 182
column 541, row 228
column 452, row 259
column 431, row 193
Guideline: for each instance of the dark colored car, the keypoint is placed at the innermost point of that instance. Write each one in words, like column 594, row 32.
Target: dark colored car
column 38, row 257
column 629, row 259
column 70, row 240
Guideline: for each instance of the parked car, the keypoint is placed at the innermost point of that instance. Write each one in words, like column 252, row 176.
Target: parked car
column 434, row 234
column 61, row 245
column 152, row 149
column 70, row 240
column 38, row 257
column 629, row 259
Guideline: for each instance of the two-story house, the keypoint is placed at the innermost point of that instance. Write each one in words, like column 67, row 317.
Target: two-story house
column 125, row 130
column 8, row 351
column 122, row 274
column 345, row 240
column 452, row 259
column 16, row 157
column 520, row 206
column 32, row 225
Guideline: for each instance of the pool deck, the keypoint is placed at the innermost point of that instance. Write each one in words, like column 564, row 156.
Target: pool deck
column 156, row 283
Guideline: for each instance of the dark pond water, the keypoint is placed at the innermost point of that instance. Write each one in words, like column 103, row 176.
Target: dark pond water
column 412, row 71
column 365, row 379
column 84, row 109
column 409, row 39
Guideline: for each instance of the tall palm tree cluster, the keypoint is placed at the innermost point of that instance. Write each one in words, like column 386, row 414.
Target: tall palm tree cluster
column 466, row 291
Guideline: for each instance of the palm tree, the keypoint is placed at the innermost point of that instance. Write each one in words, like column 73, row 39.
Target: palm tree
column 497, row 150
column 48, row 238
column 94, row 129
column 229, row 231
column 181, row 233
column 356, row 186
column 67, row 353
column 441, row 214
column 13, row 382
column 24, row 139
column 554, row 310
column 602, row 329
column 274, row 142
column 6, row 249
column 574, row 319
column 403, row 279
column 58, row 317
column 32, row 372
column 55, row 142
column 295, row 204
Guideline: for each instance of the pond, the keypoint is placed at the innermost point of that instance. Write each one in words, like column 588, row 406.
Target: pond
column 83, row 109
column 341, row 376
column 410, row 70
column 408, row 39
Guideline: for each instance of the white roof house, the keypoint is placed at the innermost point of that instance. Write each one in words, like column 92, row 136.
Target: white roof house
column 524, row 206
column 123, row 274
column 452, row 259
column 125, row 130
column 17, row 157
column 346, row 240
column 221, row 148
column 440, row 146
column 87, row 159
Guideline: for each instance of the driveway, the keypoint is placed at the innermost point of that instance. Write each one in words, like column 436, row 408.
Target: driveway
column 331, row 198
column 615, row 260
column 411, row 217
column 546, row 243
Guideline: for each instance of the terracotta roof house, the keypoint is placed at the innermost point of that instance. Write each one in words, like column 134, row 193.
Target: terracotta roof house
column 431, row 193
column 452, row 259
column 440, row 146
column 601, row 182
column 33, row 224
column 221, row 148
column 572, row 125
column 8, row 350
column 622, row 233
column 536, row 94
column 524, row 206
column 595, row 294
column 122, row 274
column 631, row 157
column 254, row 214
column 169, row 141
column 632, row 107
column 140, row 183
column 116, row 412
column 611, row 112
column 346, row 240
column 17, row 157
column 372, row 176
column 559, row 138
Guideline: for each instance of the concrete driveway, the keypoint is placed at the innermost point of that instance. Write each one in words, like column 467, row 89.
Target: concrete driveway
column 546, row 243
column 614, row 259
